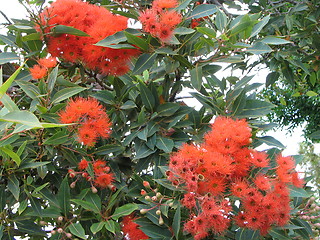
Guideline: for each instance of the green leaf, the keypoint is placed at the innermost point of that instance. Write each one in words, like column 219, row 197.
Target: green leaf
column 272, row 78
column 13, row 186
column 22, row 117
column 256, row 108
column 8, row 103
column 15, row 157
column 298, row 192
column 30, row 89
column 183, row 31
column 144, row 62
column 58, row 138
column 95, row 201
column 62, row 29
column 247, row 234
column 86, row 205
column 6, row 57
column 96, row 227
column 165, row 144
column 258, row 27
column 121, row 46
column 117, row 37
column 221, row 21
column 124, row 210
column 137, row 41
column 64, row 196
column 259, row 48
column 109, row 148
column 7, row 84
column 31, row 165
column 52, row 78
column 304, row 232
column 146, row 96
column 279, row 234
column 203, row 10
column 156, row 232
column 110, row 226
column 288, row 73
column 196, row 77
column 315, row 135
column 30, row 228
column 311, row 94
column 167, row 109
column 66, row 93
column 9, row 140
column 274, row 41
column 270, row 141
column 177, row 221
column 77, row 230
column 211, row 33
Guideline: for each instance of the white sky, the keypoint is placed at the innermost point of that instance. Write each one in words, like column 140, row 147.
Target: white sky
column 13, row 9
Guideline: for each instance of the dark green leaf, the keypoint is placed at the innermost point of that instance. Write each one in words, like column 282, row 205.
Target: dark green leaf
column 279, row 234
column 259, row 48
column 30, row 228
column 144, row 62
column 66, row 93
column 183, row 31
column 137, row 41
column 95, row 201
column 258, row 27
column 256, row 108
column 117, row 37
column 274, row 41
column 30, row 89
column 96, row 227
column 247, row 234
column 77, row 230
column 211, row 33
column 109, row 148
column 15, row 157
column 270, row 141
column 52, row 78
column 124, row 210
column 167, row 109
column 62, row 29
column 23, row 117
column 64, row 196
column 298, row 192
column 202, row 10
column 196, row 77
column 165, row 144
column 13, row 186
column 146, row 96
column 110, row 225
column 6, row 57
column 221, row 21
column 177, row 221
column 272, row 78
column 58, row 138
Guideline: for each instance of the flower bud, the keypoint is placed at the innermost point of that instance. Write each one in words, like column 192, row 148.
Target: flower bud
column 89, row 178
column 53, row 232
column 158, row 212
column 148, row 198
column 154, row 198
column 68, row 235
column 73, row 185
column 144, row 211
column 60, row 219
column 161, row 222
column 85, row 175
column 143, row 192
column 155, row 190
column 146, row 184
column 112, row 187
column 158, row 195
column 171, row 204
column 94, row 190
column 60, row 230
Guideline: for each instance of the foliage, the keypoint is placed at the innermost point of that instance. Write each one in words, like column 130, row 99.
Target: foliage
column 64, row 175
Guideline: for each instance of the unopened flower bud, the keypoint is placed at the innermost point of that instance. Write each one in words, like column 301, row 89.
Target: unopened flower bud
column 73, row 185
column 158, row 212
column 155, row 190
column 144, row 211
column 158, row 195
column 112, row 187
column 94, row 190
column 60, row 219
column 146, row 184
column 68, row 235
column 53, row 232
column 72, row 174
column 89, row 178
column 43, row 223
column 161, row 222
column 171, row 204
column 154, row 198
column 148, row 198
column 313, row 206
column 85, row 175
column 317, row 225
column 60, row 230
column 143, row 192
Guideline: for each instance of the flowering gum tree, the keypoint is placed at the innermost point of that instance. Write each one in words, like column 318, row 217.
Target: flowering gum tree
column 97, row 141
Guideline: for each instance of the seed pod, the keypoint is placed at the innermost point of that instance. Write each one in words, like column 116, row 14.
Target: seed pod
column 158, row 212
column 144, row 211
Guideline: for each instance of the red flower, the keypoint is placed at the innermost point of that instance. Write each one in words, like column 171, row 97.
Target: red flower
column 38, row 71
column 131, row 229
column 49, row 62
column 83, row 164
column 104, row 180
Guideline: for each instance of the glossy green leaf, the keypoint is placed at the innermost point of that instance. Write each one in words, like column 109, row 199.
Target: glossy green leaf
column 298, row 192
column 259, row 48
column 202, row 10
column 58, row 138
column 270, row 141
column 144, row 62
column 15, row 157
column 52, row 78
column 97, row 227
column 77, row 230
column 29, row 88
column 247, row 234
column 124, row 210
column 256, row 108
column 64, row 197
column 165, row 144
column 207, row 31
column 259, row 26
column 279, row 234
column 117, row 37
column 167, row 109
column 183, row 31
column 86, row 205
column 8, row 103
column 272, row 78
column 146, row 96
column 6, row 57
column 66, row 93
column 274, row 41
column 9, row 140
column 176, row 224
column 13, row 186
column 7, row 84
column 22, row 117
column 109, row 148
column 95, row 201
column 62, row 29
column 137, row 41
column 110, row 225
column 221, row 21
column 196, row 77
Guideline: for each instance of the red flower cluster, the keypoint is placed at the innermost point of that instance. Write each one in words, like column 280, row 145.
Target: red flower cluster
column 98, row 23
column 222, row 170
column 92, row 119
column 40, row 70
column 159, row 21
column 102, row 176
column 131, row 229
